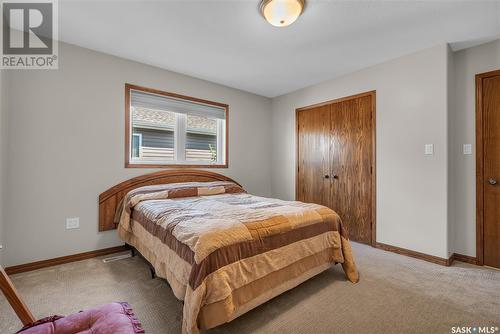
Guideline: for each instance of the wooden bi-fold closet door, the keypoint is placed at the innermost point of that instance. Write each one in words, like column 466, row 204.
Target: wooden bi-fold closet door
column 335, row 161
column 314, row 131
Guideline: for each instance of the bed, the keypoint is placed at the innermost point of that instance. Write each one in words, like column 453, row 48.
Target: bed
column 223, row 251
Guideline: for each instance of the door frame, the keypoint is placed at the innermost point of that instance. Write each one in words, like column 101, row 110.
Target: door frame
column 480, row 165
column 373, row 95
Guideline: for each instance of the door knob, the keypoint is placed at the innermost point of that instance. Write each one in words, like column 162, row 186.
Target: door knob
column 492, row 181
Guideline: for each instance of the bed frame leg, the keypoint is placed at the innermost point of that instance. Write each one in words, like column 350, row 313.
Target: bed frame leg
column 132, row 250
column 153, row 272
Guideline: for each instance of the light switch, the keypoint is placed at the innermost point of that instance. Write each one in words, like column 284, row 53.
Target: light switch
column 467, row 149
column 72, row 223
column 429, row 149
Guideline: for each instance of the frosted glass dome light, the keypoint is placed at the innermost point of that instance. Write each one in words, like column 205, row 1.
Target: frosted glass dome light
column 281, row 13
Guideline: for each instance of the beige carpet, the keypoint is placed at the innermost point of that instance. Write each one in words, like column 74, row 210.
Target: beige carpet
column 396, row 294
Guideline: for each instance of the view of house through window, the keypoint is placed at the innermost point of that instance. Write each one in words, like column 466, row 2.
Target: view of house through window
column 167, row 130
column 201, row 138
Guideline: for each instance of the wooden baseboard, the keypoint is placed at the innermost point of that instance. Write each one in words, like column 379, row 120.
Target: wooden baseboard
column 414, row 254
column 63, row 259
column 101, row 252
column 464, row 258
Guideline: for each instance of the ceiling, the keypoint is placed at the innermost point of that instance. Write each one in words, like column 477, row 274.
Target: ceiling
column 229, row 43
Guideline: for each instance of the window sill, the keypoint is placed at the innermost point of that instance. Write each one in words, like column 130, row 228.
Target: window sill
column 147, row 165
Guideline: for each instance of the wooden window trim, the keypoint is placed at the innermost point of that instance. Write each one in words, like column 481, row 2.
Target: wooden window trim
column 129, row 164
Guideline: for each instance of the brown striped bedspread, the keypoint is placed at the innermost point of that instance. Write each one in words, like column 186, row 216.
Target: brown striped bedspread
column 224, row 251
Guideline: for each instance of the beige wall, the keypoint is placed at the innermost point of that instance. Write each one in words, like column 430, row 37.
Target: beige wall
column 412, row 110
column 450, row 87
column 3, row 140
column 67, row 147
column 468, row 63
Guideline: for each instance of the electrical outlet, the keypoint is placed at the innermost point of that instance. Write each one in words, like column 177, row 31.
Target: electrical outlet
column 72, row 223
column 467, row 149
column 429, row 149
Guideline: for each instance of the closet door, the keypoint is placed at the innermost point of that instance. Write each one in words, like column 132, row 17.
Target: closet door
column 313, row 155
column 351, row 154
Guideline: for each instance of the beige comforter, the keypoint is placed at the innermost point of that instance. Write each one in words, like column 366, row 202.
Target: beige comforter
column 224, row 251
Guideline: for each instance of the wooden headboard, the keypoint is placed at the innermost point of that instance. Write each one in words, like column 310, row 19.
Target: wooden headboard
column 111, row 198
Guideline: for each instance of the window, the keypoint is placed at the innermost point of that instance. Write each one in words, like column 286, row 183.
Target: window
column 136, row 144
column 167, row 130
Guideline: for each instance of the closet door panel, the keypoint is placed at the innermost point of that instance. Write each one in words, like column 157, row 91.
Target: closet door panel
column 313, row 167
column 350, row 161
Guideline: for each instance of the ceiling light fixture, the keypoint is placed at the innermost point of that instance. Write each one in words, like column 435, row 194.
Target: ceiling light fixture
column 281, row 13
